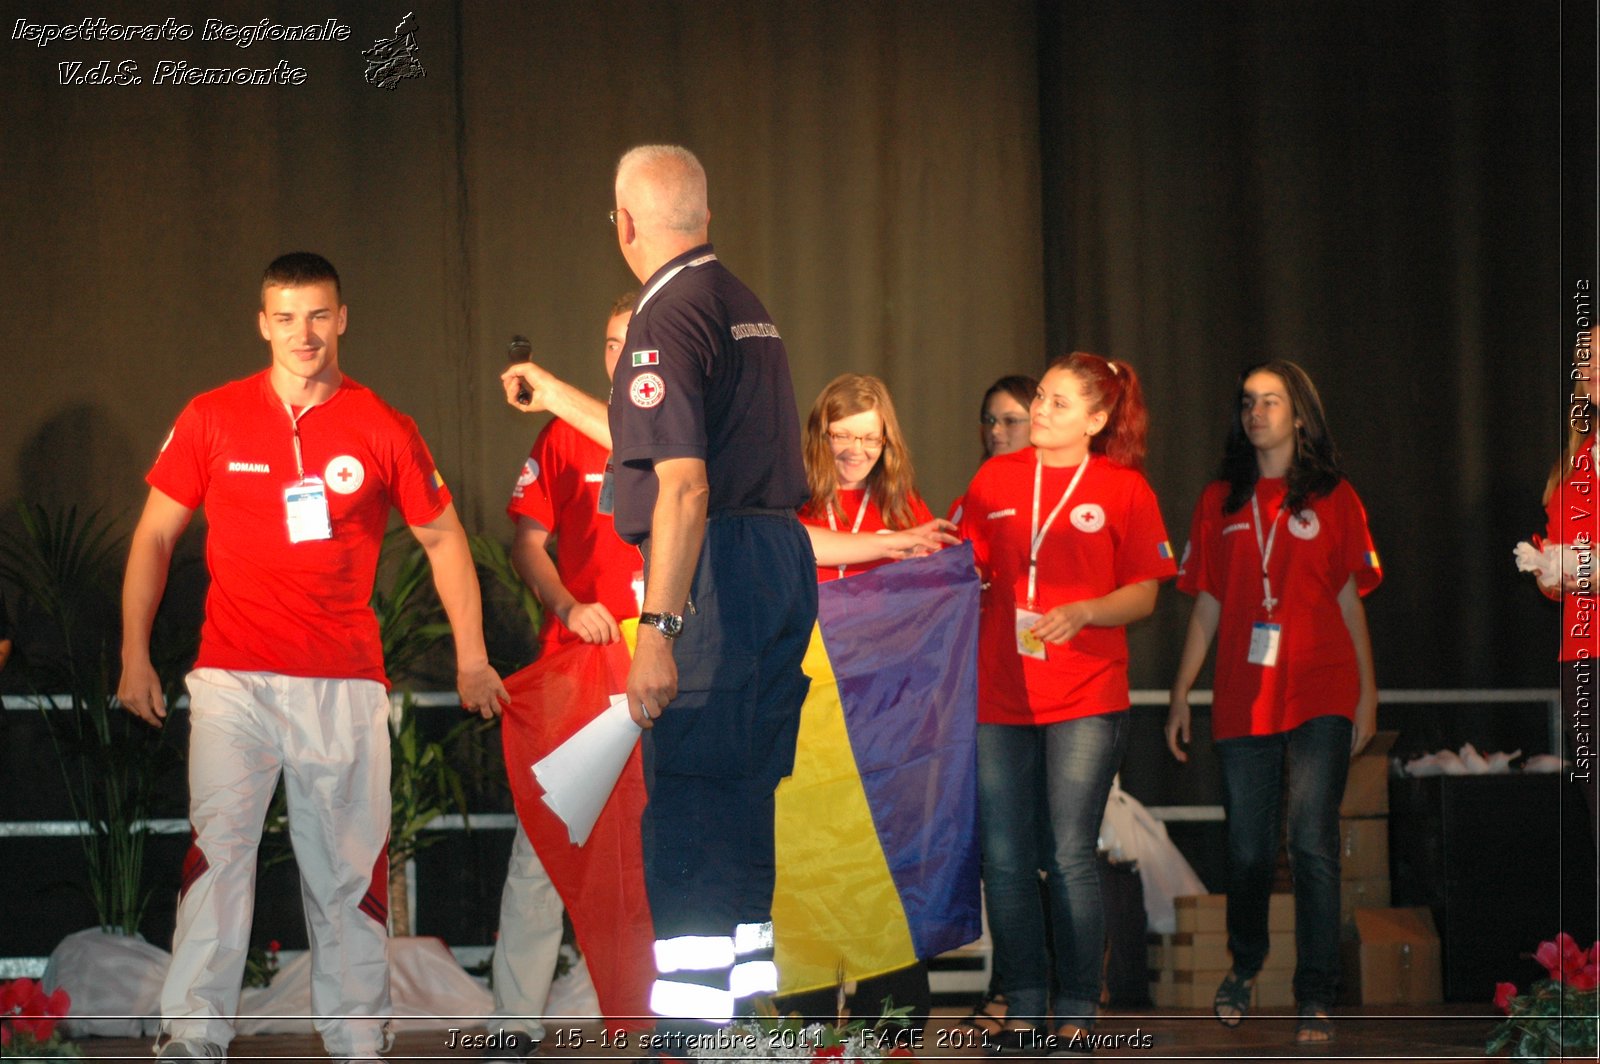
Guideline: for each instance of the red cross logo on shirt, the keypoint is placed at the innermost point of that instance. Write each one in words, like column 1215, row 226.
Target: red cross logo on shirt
column 647, row 390
column 345, row 475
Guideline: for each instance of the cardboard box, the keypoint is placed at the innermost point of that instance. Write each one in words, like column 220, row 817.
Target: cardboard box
column 1188, row 990
column 1362, row 894
column 1280, row 913
column 1392, row 958
column 1201, row 912
column 1198, row 990
column 1366, row 789
column 1364, row 848
column 1208, row 914
column 1275, row 986
column 1208, row 951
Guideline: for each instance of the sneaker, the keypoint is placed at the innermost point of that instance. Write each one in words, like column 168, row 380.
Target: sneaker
column 514, row 1045
column 176, row 1050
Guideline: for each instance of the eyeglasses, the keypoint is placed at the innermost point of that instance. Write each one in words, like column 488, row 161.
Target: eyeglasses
column 1010, row 421
column 612, row 214
column 844, row 439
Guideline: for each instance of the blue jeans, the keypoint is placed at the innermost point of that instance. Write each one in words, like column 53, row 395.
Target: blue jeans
column 1071, row 764
column 1316, row 756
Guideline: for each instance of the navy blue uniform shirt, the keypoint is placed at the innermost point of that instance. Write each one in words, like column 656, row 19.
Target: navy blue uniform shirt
column 704, row 374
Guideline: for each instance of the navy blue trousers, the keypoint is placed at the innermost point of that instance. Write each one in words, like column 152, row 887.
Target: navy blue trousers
column 717, row 753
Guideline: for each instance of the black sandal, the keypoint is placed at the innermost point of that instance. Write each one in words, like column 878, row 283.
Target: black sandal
column 1018, row 1041
column 987, row 1024
column 1315, row 1026
column 1233, row 999
column 1069, row 1038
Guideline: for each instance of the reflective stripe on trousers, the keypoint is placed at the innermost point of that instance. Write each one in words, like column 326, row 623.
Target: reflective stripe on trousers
column 702, row 976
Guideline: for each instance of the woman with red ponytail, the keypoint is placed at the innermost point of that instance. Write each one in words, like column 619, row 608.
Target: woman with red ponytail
column 1071, row 546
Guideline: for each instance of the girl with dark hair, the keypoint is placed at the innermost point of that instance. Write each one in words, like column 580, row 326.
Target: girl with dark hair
column 1278, row 559
column 1070, row 543
column 1003, row 426
column 1003, row 416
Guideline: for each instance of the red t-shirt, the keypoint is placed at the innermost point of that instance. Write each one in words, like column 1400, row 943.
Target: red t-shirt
column 953, row 515
column 298, row 609
column 1313, row 555
column 559, row 489
column 1108, row 535
column 844, row 520
column 1571, row 520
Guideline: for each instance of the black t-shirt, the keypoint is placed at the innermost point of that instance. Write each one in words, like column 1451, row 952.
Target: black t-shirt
column 704, row 375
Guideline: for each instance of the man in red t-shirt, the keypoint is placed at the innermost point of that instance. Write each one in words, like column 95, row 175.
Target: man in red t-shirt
column 561, row 500
column 297, row 467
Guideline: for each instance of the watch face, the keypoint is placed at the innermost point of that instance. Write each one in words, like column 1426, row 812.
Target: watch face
column 668, row 624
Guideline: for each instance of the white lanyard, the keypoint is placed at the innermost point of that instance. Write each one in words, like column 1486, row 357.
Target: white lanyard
column 1265, row 547
column 861, row 512
column 669, row 275
column 1037, row 535
column 294, row 427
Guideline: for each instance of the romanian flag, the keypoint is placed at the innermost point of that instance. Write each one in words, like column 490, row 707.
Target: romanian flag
column 876, row 829
column 601, row 882
column 877, row 841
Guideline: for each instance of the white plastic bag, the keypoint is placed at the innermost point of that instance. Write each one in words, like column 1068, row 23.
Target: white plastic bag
column 114, row 982
column 1130, row 833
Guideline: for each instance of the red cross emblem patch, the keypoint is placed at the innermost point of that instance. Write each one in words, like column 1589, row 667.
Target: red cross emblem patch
column 344, row 475
column 647, row 390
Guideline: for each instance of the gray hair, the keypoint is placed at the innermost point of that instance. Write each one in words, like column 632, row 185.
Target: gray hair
column 666, row 187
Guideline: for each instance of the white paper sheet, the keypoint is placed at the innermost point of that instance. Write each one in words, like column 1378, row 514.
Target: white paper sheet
column 579, row 775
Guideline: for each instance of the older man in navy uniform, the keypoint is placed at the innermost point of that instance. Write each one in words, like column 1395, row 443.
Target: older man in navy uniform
column 708, row 473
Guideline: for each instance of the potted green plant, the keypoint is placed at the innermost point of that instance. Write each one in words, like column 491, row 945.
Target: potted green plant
column 423, row 778
column 66, row 567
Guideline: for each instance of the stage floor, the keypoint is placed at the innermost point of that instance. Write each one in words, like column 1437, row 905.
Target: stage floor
column 1431, row 1033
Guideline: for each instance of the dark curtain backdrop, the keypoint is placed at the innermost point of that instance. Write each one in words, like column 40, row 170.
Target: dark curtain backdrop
column 937, row 192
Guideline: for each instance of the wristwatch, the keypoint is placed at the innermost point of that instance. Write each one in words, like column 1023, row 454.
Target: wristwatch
column 668, row 624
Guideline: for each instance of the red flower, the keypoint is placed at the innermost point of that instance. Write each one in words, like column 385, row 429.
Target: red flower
column 1503, row 993
column 1585, row 973
column 272, row 947
column 29, row 1010
column 14, row 994
column 831, row 1053
column 902, row 1051
column 1561, row 957
column 58, row 1004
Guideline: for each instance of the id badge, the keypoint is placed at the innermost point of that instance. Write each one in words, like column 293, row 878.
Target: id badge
column 1028, row 644
column 305, row 509
column 608, row 494
column 1264, row 640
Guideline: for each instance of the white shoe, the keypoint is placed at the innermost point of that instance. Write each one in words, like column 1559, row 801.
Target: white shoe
column 176, row 1050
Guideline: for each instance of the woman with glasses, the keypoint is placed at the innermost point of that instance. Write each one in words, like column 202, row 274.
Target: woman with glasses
column 1002, row 428
column 1278, row 559
column 864, row 512
column 1070, row 543
column 859, row 469
column 1003, row 419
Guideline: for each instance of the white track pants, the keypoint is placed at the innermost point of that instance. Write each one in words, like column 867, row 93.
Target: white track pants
column 329, row 739
column 530, row 942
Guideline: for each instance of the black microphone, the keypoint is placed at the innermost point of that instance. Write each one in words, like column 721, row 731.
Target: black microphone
column 520, row 350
